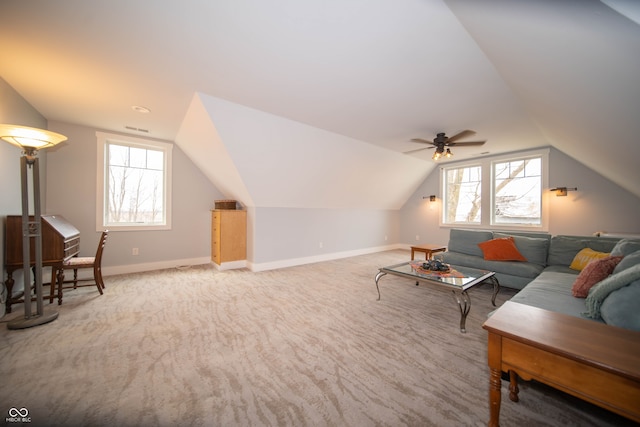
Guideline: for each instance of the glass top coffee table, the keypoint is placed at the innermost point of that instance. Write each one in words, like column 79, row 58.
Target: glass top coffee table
column 458, row 279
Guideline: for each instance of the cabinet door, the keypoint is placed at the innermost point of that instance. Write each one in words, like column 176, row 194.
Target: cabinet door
column 233, row 236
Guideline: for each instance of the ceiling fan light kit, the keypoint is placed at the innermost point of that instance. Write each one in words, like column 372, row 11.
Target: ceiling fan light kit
column 442, row 141
column 440, row 153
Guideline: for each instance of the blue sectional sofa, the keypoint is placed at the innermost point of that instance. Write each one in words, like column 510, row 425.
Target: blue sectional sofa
column 545, row 280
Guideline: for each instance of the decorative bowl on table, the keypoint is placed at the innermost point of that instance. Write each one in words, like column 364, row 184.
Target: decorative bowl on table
column 436, row 265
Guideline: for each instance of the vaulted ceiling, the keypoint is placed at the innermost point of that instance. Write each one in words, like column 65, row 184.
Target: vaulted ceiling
column 312, row 104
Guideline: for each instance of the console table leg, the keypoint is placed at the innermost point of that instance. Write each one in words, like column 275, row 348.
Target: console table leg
column 494, row 353
column 464, row 302
column 494, row 397
column 513, row 387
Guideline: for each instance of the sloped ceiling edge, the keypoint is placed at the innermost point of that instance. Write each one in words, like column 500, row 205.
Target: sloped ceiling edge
column 265, row 160
column 200, row 141
column 577, row 76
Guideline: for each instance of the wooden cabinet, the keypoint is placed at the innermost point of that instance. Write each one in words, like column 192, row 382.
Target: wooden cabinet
column 60, row 241
column 228, row 237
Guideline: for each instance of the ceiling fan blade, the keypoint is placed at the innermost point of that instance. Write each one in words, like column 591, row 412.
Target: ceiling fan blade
column 463, row 134
column 458, row 144
column 424, row 141
column 419, row 149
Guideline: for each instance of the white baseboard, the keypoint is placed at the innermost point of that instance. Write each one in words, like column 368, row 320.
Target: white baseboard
column 256, row 267
column 160, row 265
column 230, row 265
column 319, row 258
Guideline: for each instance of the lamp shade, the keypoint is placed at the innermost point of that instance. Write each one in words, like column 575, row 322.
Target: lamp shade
column 28, row 137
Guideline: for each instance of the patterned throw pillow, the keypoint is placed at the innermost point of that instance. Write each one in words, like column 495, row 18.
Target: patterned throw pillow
column 584, row 257
column 593, row 273
column 501, row 249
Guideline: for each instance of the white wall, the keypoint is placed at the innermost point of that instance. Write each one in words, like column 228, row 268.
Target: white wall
column 291, row 236
column 266, row 160
column 71, row 193
column 301, row 185
column 598, row 205
column 276, row 236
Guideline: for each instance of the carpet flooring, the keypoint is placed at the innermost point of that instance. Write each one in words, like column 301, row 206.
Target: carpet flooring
column 301, row 346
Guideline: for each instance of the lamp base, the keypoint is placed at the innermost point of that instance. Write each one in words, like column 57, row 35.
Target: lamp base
column 35, row 320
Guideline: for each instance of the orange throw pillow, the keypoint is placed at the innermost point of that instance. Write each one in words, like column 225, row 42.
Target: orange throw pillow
column 501, row 249
column 593, row 273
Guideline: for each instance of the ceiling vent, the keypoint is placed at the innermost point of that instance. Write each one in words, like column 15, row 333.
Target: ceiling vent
column 137, row 129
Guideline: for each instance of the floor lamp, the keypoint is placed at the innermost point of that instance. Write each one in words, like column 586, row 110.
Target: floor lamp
column 31, row 140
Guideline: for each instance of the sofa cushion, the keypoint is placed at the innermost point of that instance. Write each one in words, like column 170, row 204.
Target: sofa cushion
column 601, row 244
column 626, row 247
column 466, row 241
column 561, row 269
column 501, row 249
column 552, row 291
column 601, row 291
column 622, row 307
column 593, row 273
column 562, row 249
column 534, row 249
column 584, row 257
column 628, row 261
column 516, row 268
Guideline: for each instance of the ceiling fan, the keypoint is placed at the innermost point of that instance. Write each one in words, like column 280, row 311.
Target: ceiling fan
column 442, row 141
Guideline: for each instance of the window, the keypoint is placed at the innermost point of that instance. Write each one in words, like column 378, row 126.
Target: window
column 463, row 191
column 507, row 187
column 517, row 189
column 134, row 183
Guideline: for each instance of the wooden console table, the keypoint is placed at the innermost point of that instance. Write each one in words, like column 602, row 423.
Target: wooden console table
column 428, row 250
column 590, row 360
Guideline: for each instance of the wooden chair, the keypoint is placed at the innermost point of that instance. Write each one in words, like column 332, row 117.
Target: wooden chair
column 75, row 264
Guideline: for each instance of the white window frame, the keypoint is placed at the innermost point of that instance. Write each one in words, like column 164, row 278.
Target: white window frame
column 103, row 140
column 487, row 188
column 483, row 192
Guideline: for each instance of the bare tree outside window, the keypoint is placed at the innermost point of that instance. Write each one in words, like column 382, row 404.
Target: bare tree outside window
column 518, row 192
column 463, row 195
column 135, row 185
column 515, row 190
column 133, row 190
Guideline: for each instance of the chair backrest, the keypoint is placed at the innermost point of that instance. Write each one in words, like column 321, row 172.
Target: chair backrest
column 103, row 241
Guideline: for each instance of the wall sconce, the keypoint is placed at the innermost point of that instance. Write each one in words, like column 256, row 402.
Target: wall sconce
column 431, row 198
column 31, row 140
column 562, row 191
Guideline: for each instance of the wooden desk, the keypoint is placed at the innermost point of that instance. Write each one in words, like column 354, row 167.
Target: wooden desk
column 60, row 242
column 590, row 360
column 428, row 250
